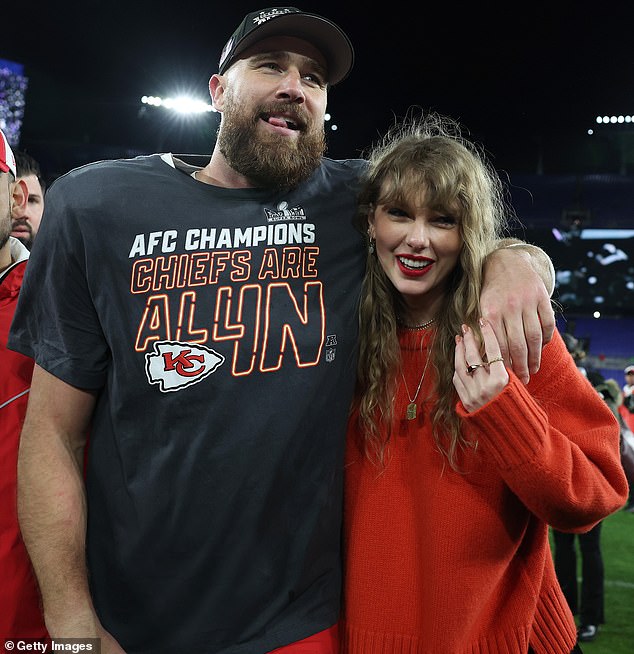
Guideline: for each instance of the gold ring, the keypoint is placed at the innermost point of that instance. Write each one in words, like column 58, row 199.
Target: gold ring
column 473, row 367
column 494, row 360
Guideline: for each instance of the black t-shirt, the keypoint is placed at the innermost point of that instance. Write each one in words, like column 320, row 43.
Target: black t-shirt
column 219, row 327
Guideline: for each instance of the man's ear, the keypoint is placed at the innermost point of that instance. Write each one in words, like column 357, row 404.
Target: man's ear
column 19, row 197
column 216, row 91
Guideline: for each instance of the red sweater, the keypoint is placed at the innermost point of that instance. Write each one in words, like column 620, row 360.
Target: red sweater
column 439, row 562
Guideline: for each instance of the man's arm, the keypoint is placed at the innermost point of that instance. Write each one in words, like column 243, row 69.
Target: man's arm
column 52, row 505
column 519, row 279
column 540, row 261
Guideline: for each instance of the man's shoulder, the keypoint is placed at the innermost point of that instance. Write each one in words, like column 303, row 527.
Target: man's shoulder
column 339, row 173
column 95, row 172
column 352, row 167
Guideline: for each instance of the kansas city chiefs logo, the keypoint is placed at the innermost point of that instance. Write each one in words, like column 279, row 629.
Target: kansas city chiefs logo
column 175, row 365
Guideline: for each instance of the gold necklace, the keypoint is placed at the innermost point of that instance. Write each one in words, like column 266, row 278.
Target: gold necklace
column 412, row 410
column 417, row 328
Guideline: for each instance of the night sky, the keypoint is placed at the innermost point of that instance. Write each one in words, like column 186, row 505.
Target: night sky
column 526, row 80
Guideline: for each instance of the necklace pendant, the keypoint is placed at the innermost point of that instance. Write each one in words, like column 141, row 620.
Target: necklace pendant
column 411, row 411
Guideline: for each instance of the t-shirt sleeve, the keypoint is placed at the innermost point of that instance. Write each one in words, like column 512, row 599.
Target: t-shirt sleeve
column 55, row 322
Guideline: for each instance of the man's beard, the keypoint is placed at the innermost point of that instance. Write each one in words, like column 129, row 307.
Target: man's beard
column 25, row 239
column 5, row 229
column 268, row 160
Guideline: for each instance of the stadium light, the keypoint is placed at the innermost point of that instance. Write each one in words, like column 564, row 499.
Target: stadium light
column 182, row 104
column 614, row 119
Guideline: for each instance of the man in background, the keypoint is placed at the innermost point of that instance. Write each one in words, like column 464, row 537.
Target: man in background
column 26, row 222
column 20, row 612
column 627, row 408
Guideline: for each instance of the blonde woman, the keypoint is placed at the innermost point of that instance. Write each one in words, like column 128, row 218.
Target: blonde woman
column 454, row 467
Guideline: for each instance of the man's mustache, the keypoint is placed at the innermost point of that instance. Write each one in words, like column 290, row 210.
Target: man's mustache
column 21, row 222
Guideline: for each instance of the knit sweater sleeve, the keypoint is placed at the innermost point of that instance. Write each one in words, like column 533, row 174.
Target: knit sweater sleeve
column 555, row 443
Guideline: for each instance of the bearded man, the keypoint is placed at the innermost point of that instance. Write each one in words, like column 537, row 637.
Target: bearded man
column 203, row 331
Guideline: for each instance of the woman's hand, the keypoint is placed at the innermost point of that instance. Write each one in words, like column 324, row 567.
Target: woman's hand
column 476, row 381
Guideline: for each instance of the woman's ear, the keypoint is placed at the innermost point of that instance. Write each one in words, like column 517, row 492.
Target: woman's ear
column 371, row 229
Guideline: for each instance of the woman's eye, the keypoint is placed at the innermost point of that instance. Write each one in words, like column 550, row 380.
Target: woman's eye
column 397, row 212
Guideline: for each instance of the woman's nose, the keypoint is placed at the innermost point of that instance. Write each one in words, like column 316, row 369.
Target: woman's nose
column 417, row 236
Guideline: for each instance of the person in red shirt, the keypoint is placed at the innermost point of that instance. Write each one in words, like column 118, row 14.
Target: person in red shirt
column 20, row 611
column 454, row 467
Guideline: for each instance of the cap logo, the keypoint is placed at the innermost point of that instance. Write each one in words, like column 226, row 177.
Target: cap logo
column 263, row 16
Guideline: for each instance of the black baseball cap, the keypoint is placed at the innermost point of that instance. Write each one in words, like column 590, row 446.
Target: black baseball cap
column 325, row 35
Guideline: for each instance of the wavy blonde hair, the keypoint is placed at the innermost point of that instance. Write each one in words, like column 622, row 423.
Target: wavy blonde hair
column 424, row 155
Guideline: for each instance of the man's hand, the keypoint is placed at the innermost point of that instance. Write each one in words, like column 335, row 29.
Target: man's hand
column 85, row 625
column 516, row 302
column 109, row 645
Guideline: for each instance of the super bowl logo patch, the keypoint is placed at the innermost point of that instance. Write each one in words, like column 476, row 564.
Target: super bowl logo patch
column 284, row 213
column 174, row 366
column 331, row 347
